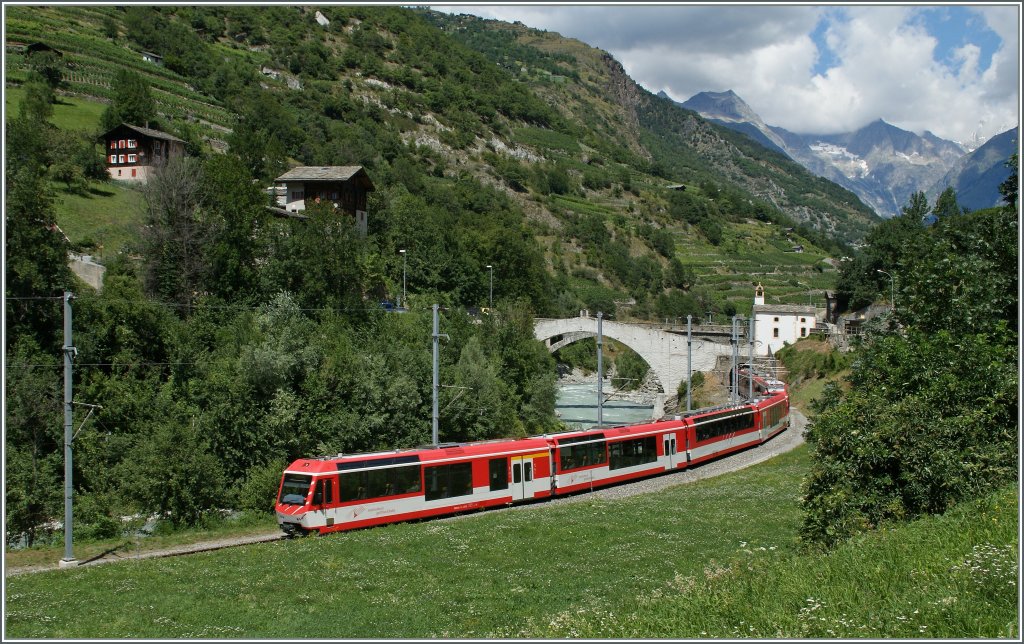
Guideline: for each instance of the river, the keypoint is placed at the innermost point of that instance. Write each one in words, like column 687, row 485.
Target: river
column 576, row 404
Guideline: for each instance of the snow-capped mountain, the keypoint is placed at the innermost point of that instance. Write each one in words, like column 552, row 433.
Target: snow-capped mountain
column 976, row 176
column 880, row 163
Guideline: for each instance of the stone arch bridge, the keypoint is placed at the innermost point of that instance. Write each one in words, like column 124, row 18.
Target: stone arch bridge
column 663, row 347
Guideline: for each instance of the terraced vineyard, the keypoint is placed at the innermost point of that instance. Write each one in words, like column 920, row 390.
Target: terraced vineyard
column 91, row 61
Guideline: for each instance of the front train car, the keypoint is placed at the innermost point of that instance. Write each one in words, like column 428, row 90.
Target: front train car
column 351, row 491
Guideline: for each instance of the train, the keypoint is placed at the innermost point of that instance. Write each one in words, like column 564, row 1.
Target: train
column 351, row 491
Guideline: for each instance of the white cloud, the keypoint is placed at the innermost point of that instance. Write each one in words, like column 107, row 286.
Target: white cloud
column 885, row 66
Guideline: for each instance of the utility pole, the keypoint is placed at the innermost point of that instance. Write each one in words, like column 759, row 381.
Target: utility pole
column 600, row 375
column 689, row 361
column 69, row 353
column 436, row 337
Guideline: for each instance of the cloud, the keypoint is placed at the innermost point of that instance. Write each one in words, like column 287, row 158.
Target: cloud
column 884, row 62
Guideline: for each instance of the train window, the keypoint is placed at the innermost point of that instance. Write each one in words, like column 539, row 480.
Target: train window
column 498, row 468
column 709, row 429
column 445, row 481
column 380, row 482
column 590, row 451
column 294, row 489
column 517, row 473
column 632, row 452
column 376, row 484
column 528, row 470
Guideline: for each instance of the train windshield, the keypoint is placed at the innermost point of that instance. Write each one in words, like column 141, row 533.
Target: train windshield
column 294, row 489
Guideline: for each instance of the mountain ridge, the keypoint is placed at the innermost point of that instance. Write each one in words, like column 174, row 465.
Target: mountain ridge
column 881, row 163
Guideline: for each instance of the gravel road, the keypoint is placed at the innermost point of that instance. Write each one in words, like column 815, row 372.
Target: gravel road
column 783, row 442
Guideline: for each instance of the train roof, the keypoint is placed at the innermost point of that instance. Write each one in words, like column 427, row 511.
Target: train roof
column 425, row 454
column 513, row 446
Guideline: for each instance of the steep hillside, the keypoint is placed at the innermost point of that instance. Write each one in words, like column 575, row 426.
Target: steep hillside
column 441, row 107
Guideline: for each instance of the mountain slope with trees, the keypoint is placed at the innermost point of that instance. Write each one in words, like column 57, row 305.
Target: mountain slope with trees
column 226, row 341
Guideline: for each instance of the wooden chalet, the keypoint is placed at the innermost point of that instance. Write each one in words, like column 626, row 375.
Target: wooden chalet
column 345, row 187
column 132, row 152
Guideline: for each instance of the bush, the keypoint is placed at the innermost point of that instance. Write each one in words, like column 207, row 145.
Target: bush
column 914, row 436
column 259, row 490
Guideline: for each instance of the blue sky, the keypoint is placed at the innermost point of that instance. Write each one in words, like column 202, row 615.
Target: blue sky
column 953, row 70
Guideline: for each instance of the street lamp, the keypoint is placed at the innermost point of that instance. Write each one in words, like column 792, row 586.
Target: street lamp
column 404, row 303
column 892, row 287
column 490, row 299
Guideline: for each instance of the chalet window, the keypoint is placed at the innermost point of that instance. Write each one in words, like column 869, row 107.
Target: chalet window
column 131, row 158
column 120, row 158
column 113, row 144
column 297, row 195
column 113, row 158
column 803, row 332
column 120, row 144
column 775, row 333
column 131, row 143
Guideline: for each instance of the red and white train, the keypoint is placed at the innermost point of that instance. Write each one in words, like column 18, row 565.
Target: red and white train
column 360, row 490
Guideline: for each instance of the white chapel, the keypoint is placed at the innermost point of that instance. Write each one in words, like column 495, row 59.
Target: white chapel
column 776, row 325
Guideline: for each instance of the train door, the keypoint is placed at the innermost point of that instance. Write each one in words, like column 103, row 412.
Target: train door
column 323, row 498
column 522, row 477
column 668, row 441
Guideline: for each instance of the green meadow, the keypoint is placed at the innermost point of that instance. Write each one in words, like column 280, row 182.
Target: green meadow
column 716, row 558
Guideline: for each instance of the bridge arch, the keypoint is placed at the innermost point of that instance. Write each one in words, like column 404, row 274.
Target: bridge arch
column 664, row 351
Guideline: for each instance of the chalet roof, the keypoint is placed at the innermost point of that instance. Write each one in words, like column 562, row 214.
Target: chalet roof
column 327, row 173
column 153, row 134
column 41, row 46
column 785, row 308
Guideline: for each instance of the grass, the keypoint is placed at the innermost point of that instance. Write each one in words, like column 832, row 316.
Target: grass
column 106, row 219
column 952, row 576
column 48, row 554
column 70, row 113
column 485, row 575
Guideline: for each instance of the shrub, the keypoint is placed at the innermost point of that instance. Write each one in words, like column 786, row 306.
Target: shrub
column 913, row 436
column 259, row 490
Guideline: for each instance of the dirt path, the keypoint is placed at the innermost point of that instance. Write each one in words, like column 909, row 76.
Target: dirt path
column 784, row 442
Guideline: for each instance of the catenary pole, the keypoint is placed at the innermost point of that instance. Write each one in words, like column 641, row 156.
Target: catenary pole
column 750, row 365
column 689, row 361
column 600, row 374
column 433, row 422
column 437, row 382
column 69, row 352
column 732, row 376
